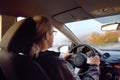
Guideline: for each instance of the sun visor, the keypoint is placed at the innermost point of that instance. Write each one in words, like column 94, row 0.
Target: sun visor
column 71, row 15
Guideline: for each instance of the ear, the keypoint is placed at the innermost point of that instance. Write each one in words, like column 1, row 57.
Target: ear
column 47, row 36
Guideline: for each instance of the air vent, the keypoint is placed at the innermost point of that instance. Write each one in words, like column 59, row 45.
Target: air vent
column 106, row 55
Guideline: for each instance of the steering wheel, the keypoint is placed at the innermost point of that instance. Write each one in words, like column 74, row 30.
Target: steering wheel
column 79, row 58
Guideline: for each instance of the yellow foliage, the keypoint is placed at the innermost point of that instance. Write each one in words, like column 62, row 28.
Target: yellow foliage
column 104, row 38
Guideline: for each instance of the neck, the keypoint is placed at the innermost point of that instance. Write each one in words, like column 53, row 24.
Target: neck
column 43, row 46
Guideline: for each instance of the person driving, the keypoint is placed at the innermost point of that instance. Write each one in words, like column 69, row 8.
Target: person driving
column 56, row 68
column 33, row 38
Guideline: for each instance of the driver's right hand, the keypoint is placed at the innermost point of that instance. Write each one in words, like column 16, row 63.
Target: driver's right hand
column 93, row 60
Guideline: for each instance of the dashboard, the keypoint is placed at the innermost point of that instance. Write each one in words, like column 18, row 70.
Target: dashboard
column 110, row 64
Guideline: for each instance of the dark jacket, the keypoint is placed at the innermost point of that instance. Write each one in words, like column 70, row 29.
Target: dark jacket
column 57, row 69
column 54, row 66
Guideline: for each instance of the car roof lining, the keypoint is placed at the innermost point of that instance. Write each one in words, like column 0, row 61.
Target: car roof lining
column 50, row 8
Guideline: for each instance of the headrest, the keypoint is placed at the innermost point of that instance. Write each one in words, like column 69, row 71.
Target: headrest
column 9, row 34
column 20, row 36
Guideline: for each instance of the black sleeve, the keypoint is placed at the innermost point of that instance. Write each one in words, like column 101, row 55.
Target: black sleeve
column 54, row 67
column 93, row 73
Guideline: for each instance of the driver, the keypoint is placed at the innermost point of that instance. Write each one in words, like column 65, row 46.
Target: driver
column 55, row 67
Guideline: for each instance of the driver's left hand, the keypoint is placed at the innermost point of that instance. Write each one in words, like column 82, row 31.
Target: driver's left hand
column 67, row 55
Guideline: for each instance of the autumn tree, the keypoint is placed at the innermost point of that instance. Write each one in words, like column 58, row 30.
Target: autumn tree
column 110, row 36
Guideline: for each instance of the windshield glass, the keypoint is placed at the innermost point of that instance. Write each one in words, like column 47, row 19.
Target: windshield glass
column 89, row 31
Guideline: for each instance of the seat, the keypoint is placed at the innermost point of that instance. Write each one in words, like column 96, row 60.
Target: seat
column 15, row 66
column 19, row 67
column 6, row 65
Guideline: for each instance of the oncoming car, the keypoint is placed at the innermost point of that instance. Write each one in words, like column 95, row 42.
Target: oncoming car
column 80, row 26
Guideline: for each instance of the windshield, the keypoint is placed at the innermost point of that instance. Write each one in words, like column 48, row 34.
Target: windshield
column 89, row 31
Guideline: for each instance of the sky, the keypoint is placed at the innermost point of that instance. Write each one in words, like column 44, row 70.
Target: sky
column 85, row 26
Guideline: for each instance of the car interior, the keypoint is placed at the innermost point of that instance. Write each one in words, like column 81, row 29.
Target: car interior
column 61, row 12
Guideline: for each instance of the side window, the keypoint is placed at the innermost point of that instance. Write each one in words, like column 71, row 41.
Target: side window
column 20, row 18
column 59, row 40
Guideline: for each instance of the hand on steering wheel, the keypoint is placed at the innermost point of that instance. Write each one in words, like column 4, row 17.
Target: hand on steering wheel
column 82, row 59
column 94, row 60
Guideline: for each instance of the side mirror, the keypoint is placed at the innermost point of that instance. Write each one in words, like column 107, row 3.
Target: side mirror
column 63, row 48
column 112, row 26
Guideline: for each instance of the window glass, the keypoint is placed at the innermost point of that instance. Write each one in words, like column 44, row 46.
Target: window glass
column 20, row 18
column 59, row 40
column 89, row 31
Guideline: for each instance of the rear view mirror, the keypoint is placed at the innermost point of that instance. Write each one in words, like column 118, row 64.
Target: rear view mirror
column 113, row 26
